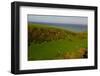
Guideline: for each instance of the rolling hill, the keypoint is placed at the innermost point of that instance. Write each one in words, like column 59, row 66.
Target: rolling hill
column 52, row 42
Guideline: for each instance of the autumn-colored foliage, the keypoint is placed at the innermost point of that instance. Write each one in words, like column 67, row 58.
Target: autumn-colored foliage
column 39, row 35
column 80, row 53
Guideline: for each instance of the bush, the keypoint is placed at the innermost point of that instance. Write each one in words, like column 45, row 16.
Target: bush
column 39, row 35
column 81, row 53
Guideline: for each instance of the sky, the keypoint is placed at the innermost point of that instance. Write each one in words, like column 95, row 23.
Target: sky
column 58, row 19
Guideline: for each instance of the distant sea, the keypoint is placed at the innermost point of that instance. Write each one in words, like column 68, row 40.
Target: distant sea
column 71, row 27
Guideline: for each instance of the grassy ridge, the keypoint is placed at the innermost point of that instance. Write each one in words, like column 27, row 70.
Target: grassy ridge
column 40, row 33
column 48, row 42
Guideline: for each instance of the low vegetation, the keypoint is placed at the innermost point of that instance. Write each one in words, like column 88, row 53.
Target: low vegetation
column 50, row 42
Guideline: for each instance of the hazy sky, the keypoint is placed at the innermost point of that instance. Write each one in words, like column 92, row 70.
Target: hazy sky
column 58, row 19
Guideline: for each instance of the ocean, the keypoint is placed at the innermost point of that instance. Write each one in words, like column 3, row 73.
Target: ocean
column 71, row 27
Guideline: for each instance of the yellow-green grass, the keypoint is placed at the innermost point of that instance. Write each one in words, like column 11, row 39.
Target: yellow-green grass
column 49, row 46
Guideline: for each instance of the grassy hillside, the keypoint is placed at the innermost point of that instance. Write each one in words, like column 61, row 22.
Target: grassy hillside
column 48, row 42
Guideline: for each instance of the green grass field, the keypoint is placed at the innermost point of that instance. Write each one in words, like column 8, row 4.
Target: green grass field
column 50, row 43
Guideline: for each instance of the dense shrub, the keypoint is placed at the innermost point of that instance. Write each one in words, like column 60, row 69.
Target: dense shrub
column 41, row 34
column 81, row 53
